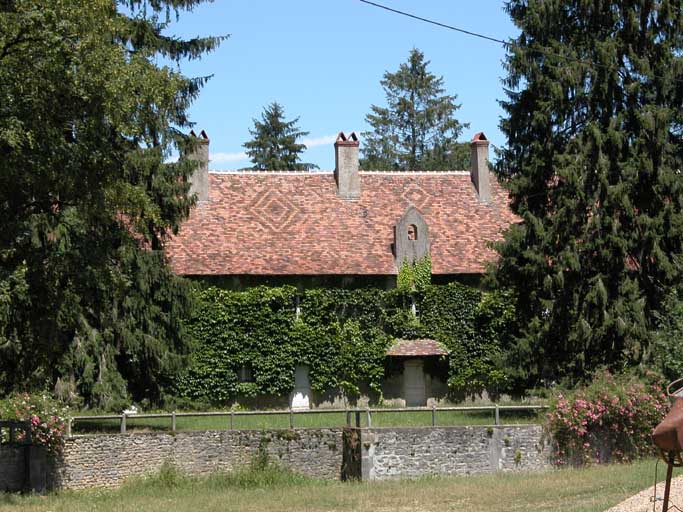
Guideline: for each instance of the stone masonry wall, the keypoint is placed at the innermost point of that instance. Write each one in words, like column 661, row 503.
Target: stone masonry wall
column 415, row 452
column 350, row 453
column 107, row 460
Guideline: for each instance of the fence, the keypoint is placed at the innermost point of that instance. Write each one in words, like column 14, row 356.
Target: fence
column 353, row 417
column 12, row 426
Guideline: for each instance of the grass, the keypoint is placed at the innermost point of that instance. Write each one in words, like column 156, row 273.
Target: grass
column 577, row 490
column 310, row 420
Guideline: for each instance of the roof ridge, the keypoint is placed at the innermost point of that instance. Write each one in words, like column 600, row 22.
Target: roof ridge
column 412, row 173
column 251, row 172
column 319, row 172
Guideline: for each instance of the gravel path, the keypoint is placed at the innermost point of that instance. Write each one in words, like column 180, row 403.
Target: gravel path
column 641, row 502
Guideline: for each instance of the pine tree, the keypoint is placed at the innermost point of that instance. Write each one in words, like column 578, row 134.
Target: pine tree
column 417, row 130
column 87, row 123
column 274, row 145
column 593, row 121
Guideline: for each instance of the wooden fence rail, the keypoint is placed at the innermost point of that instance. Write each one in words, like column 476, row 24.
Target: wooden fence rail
column 353, row 416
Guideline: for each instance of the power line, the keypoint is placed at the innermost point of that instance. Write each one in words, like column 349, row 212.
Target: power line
column 506, row 44
column 438, row 24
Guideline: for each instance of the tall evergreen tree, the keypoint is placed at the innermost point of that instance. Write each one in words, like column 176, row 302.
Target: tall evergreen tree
column 87, row 122
column 417, row 130
column 593, row 162
column 274, row 145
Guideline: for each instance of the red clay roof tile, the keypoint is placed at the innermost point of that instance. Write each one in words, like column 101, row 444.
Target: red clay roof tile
column 293, row 223
column 424, row 347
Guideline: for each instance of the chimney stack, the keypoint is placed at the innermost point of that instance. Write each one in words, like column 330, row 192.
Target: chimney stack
column 346, row 166
column 479, row 166
column 199, row 181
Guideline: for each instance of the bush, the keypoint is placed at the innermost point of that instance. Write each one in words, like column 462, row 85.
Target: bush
column 46, row 416
column 611, row 419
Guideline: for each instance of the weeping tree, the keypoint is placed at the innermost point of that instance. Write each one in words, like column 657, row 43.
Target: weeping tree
column 88, row 120
column 593, row 165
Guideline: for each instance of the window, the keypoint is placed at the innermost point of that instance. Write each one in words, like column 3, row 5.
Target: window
column 245, row 373
column 412, row 232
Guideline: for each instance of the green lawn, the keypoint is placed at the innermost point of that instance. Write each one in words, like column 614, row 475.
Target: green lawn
column 318, row 420
column 585, row 490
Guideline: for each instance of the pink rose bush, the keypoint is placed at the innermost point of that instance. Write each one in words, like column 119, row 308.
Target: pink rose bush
column 609, row 420
column 46, row 416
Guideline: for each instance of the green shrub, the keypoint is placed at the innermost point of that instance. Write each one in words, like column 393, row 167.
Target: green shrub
column 611, row 419
column 45, row 415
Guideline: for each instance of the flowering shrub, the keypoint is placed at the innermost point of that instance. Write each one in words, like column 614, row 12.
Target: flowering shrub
column 609, row 420
column 46, row 416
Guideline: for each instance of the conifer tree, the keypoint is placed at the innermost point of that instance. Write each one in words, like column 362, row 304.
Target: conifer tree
column 274, row 146
column 87, row 122
column 417, row 130
column 593, row 166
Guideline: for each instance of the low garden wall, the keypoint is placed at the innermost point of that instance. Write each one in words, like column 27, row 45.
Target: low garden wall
column 331, row 454
column 108, row 460
column 415, row 452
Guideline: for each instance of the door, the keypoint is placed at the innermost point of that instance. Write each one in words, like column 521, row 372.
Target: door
column 414, row 388
column 300, row 397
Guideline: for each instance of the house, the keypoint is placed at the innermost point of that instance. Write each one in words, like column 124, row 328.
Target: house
column 347, row 227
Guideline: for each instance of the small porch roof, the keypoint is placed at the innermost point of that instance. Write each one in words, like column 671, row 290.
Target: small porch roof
column 416, row 348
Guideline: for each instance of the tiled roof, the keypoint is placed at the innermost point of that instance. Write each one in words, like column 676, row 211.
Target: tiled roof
column 293, row 223
column 423, row 347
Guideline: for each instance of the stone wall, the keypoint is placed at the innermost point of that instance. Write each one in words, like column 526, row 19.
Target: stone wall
column 415, row 452
column 331, row 454
column 107, row 460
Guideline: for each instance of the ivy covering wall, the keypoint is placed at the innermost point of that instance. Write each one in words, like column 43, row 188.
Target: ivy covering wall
column 342, row 335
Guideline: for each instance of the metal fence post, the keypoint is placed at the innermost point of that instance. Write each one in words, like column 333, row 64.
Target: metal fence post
column 347, row 416
column 232, row 419
column 291, row 418
column 68, row 427
column 433, row 416
column 123, row 423
column 497, row 415
column 173, row 421
column 357, row 418
column 367, row 411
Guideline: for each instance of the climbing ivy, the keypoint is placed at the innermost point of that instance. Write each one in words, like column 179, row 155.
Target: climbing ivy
column 342, row 335
column 416, row 276
column 423, row 272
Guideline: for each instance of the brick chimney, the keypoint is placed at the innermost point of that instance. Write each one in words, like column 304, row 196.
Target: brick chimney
column 346, row 166
column 479, row 166
column 199, row 181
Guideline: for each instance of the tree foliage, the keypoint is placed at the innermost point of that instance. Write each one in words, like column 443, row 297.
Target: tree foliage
column 417, row 130
column 87, row 122
column 274, row 145
column 593, row 123
column 664, row 355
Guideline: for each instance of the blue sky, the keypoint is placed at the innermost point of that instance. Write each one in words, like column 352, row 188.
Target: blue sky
column 323, row 60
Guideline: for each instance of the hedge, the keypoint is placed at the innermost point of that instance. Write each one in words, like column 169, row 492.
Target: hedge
column 342, row 335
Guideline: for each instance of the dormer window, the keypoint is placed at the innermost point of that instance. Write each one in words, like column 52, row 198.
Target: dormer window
column 411, row 237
